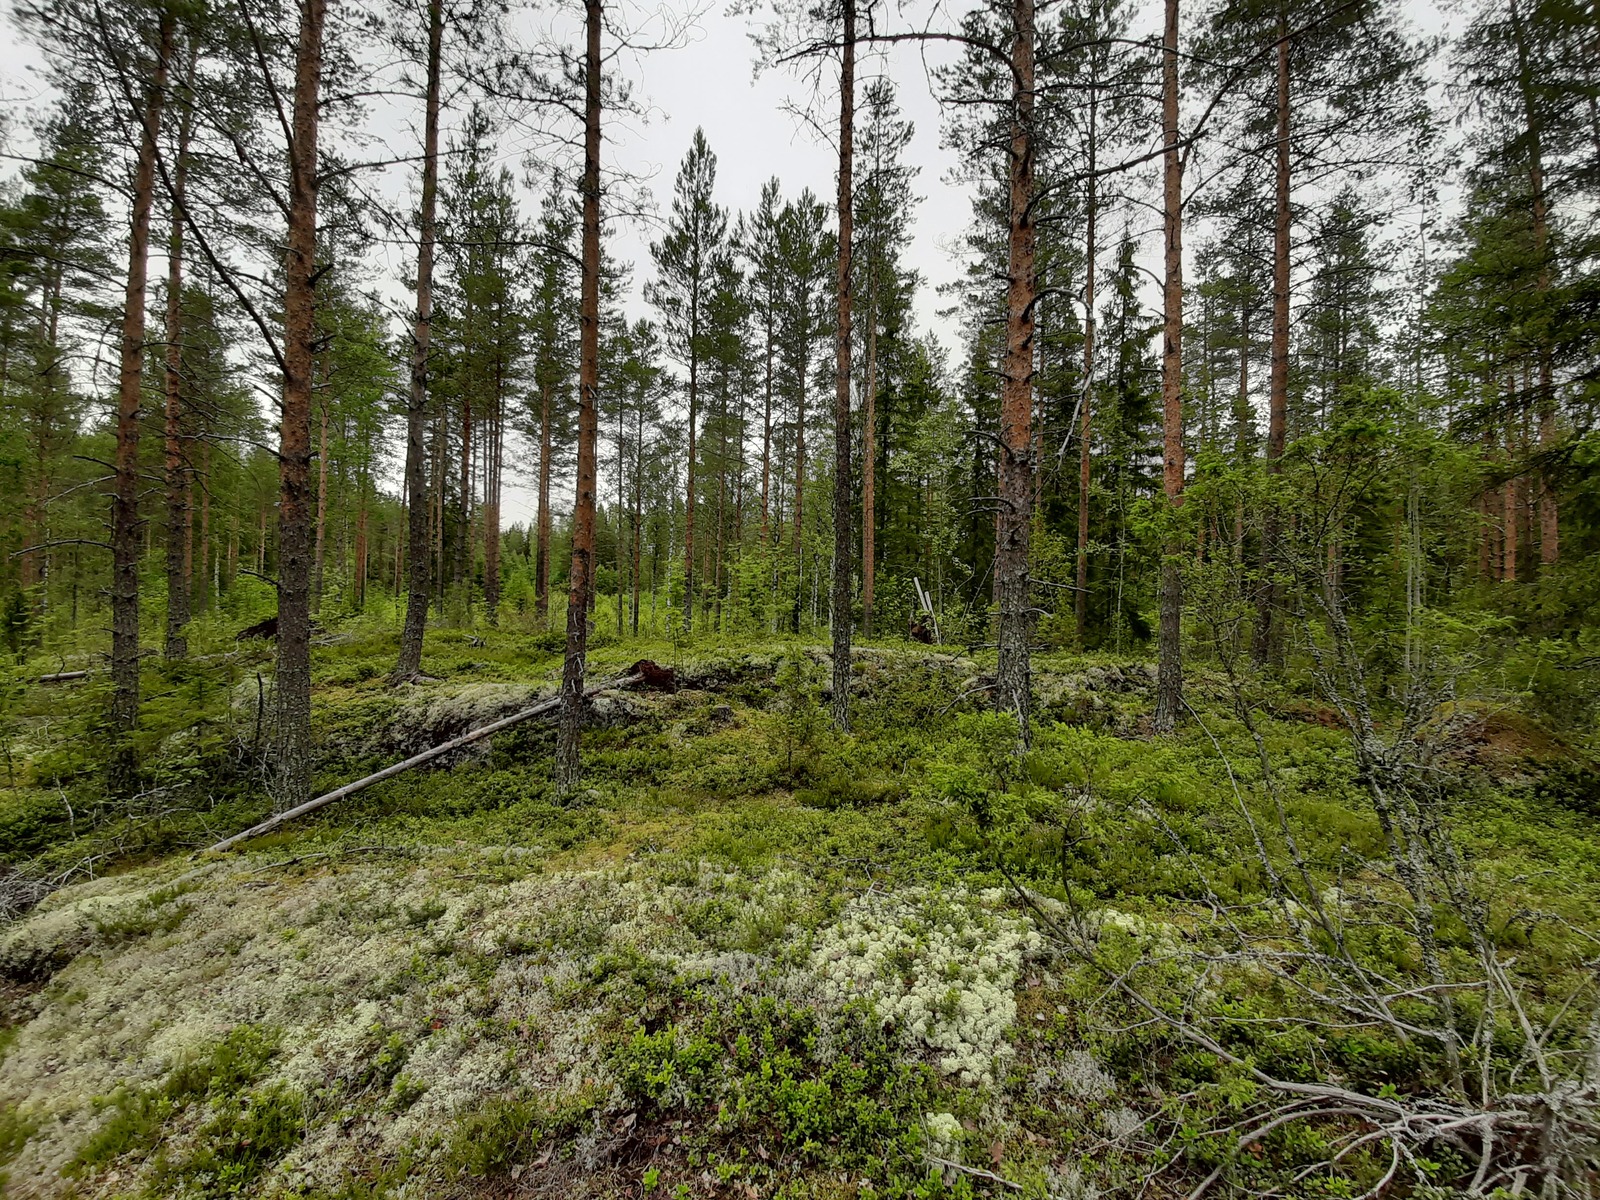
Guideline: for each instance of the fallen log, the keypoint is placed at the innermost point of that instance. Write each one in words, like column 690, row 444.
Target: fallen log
column 63, row 677
column 643, row 671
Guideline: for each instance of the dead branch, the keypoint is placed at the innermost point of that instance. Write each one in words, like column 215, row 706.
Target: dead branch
column 641, row 672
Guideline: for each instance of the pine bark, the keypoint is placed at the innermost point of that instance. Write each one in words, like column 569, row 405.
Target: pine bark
column 1169, row 679
column 869, row 458
column 1549, row 515
column 493, row 475
column 541, row 551
column 568, row 765
column 125, row 486
column 843, row 542
column 318, row 556
column 293, row 679
column 179, row 477
column 1080, row 600
column 800, row 489
column 1013, row 674
column 638, row 506
column 1264, row 649
column 419, row 560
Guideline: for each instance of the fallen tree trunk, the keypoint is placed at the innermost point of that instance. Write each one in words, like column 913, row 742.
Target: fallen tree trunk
column 63, row 677
column 640, row 672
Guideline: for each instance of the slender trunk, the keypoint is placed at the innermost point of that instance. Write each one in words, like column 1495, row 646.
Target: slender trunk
column 638, row 503
column 766, row 433
column 419, row 559
column 204, row 574
column 541, row 552
column 720, row 552
column 1169, row 682
column 843, row 542
column 622, row 483
column 869, row 458
column 1013, row 682
column 1265, row 648
column 572, row 700
column 125, row 491
column 178, row 473
column 360, row 588
column 1549, row 522
column 293, row 679
column 322, row 500
column 1080, row 599
column 493, row 470
column 694, row 419
column 460, row 569
column 800, row 489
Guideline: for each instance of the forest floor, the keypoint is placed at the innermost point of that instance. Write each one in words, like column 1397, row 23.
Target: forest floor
column 756, row 959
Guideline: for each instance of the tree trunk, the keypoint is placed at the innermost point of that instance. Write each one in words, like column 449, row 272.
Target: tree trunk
column 1169, row 681
column 317, row 558
column 493, row 471
column 568, row 766
column 622, row 483
column 869, row 458
column 461, row 573
column 1549, row 522
column 638, row 504
column 204, row 575
column 541, row 552
column 694, row 418
column 360, row 586
column 800, row 490
column 1080, row 599
column 843, row 542
column 1013, row 674
column 293, row 679
column 1265, row 648
column 178, row 474
column 766, row 435
column 419, row 559
column 125, row 490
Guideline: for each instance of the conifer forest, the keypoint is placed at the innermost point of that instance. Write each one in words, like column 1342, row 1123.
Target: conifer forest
column 1048, row 649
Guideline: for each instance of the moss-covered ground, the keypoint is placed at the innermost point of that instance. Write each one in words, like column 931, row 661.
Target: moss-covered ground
column 755, row 958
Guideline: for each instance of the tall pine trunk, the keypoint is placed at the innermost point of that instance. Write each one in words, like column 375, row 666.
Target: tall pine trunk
column 541, row 551
column 179, row 477
column 318, row 557
column 418, row 557
column 843, row 543
column 493, row 472
column 766, row 435
column 1169, row 680
column 1265, row 647
column 1549, row 517
column 1080, row 599
column 869, row 458
column 1013, row 674
column 293, row 679
column 800, row 491
column 638, row 504
column 568, row 766
column 125, row 486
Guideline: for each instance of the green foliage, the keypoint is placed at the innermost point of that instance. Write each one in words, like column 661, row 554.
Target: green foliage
column 800, row 721
column 509, row 1130
column 841, row 1095
column 248, row 1133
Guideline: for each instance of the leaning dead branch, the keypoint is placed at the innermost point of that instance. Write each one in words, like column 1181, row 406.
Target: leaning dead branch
column 642, row 672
